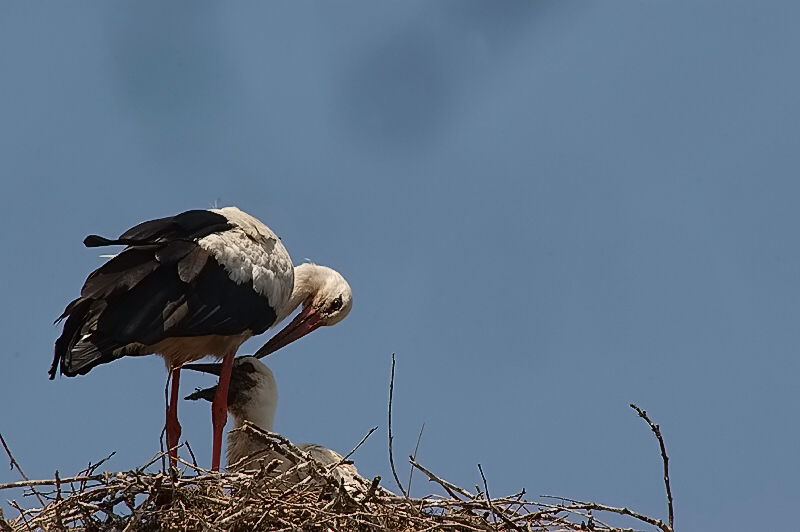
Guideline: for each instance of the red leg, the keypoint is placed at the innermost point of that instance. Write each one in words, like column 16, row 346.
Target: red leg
column 173, row 427
column 219, row 409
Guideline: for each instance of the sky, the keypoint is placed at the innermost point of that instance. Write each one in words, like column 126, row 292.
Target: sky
column 545, row 210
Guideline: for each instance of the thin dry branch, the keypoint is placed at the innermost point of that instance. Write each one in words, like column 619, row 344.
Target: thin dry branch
column 491, row 506
column 581, row 505
column 52, row 482
column 391, row 453
column 451, row 488
column 348, row 455
column 657, row 431
column 414, row 456
column 14, row 464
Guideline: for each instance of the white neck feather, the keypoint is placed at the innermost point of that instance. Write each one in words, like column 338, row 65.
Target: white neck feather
column 257, row 407
column 263, row 418
column 308, row 279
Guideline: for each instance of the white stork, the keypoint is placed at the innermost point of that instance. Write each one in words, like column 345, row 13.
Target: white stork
column 253, row 397
column 196, row 284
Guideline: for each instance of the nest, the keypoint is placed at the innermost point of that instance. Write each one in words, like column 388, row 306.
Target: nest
column 308, row 496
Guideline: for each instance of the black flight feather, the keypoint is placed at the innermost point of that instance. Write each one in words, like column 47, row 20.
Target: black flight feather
column 190, row 225
column 121, row 273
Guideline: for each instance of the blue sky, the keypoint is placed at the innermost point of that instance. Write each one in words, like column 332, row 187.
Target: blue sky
column 546, row 210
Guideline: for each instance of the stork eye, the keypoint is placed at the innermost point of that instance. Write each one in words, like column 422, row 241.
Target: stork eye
column 335, row 305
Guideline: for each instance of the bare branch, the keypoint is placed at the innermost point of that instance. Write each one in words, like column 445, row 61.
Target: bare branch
column 391, row 453
column 53, row 482
column 348, row 455
column 191, row 453
column 14, row 464
column 450, row 487
column 580, row 505
column 414, row 457
column 657, row 431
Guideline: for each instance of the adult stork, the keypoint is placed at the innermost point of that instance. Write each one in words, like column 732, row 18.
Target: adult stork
column 196, row 284
column 253, row 397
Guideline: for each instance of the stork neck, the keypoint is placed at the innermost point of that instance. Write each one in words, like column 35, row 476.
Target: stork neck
column 258, row 404
column 241, row 444
column 307, row 281
column 295, row 300
column 260, row 417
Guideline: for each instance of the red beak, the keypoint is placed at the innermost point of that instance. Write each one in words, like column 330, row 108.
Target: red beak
column 305, row 322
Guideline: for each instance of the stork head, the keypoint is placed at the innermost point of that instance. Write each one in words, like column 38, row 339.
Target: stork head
column 326, row 298
column 252, row 393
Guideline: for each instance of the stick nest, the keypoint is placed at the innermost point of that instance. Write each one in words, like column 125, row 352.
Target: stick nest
column 248, row 501
column 309, row 497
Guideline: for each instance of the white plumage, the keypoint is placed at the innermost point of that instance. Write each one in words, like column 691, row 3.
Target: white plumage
column 251, row 252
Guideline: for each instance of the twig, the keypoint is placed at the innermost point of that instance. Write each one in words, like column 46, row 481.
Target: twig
column 58, row 487
column 59, row 521
column 391, row 454
column 22, row 514
column 137, row 513
column 499, row 512
column 28, row 483
column 93, row 467
column 657, row 431
column 486, row 488
column 193, row 466
column 156, row 457
column 268, row 437
column 348, row 455
column 14, row 464
column 414, row 457
column 371, row 490
column 450, row 487
column 301, row 459
column 580, row 505
column 250, row 458
column 189, row 448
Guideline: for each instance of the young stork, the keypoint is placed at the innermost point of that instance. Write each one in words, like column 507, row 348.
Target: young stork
column 196, row 284
column 253, row 397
